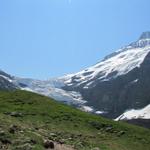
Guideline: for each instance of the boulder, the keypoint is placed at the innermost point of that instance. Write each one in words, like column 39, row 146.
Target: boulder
column 49, row 144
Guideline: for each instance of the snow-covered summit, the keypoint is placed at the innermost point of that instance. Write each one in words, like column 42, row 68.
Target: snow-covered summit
column 118, row 63
column 143, row 41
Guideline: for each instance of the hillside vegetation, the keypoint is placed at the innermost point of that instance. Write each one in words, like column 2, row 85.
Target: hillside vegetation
column 33, row 122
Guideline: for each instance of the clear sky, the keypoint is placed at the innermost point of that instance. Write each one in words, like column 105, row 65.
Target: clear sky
column 50, row 38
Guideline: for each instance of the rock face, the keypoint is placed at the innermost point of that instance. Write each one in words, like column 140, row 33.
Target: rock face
column 122, row 93
column 141, row 122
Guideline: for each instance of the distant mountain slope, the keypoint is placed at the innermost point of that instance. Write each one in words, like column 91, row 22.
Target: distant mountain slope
column 6, row 81
column 35, row 122
column 51, row 88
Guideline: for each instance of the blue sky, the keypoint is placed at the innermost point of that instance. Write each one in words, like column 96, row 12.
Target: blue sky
column 50, row 38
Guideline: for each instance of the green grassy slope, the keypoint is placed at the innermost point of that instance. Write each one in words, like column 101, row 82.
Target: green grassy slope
column 26, row 119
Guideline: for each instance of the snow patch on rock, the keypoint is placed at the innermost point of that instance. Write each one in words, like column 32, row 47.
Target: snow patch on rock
column 135, row 114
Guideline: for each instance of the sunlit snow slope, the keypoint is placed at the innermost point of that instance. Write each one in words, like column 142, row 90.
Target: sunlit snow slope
column 51, row 88
column 135, row 114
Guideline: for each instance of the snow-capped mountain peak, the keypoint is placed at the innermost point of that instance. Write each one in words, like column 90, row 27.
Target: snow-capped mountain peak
column 143, row 41
column 118, row 63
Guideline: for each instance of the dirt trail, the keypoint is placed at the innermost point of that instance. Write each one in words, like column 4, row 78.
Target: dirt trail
column 63, row 147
